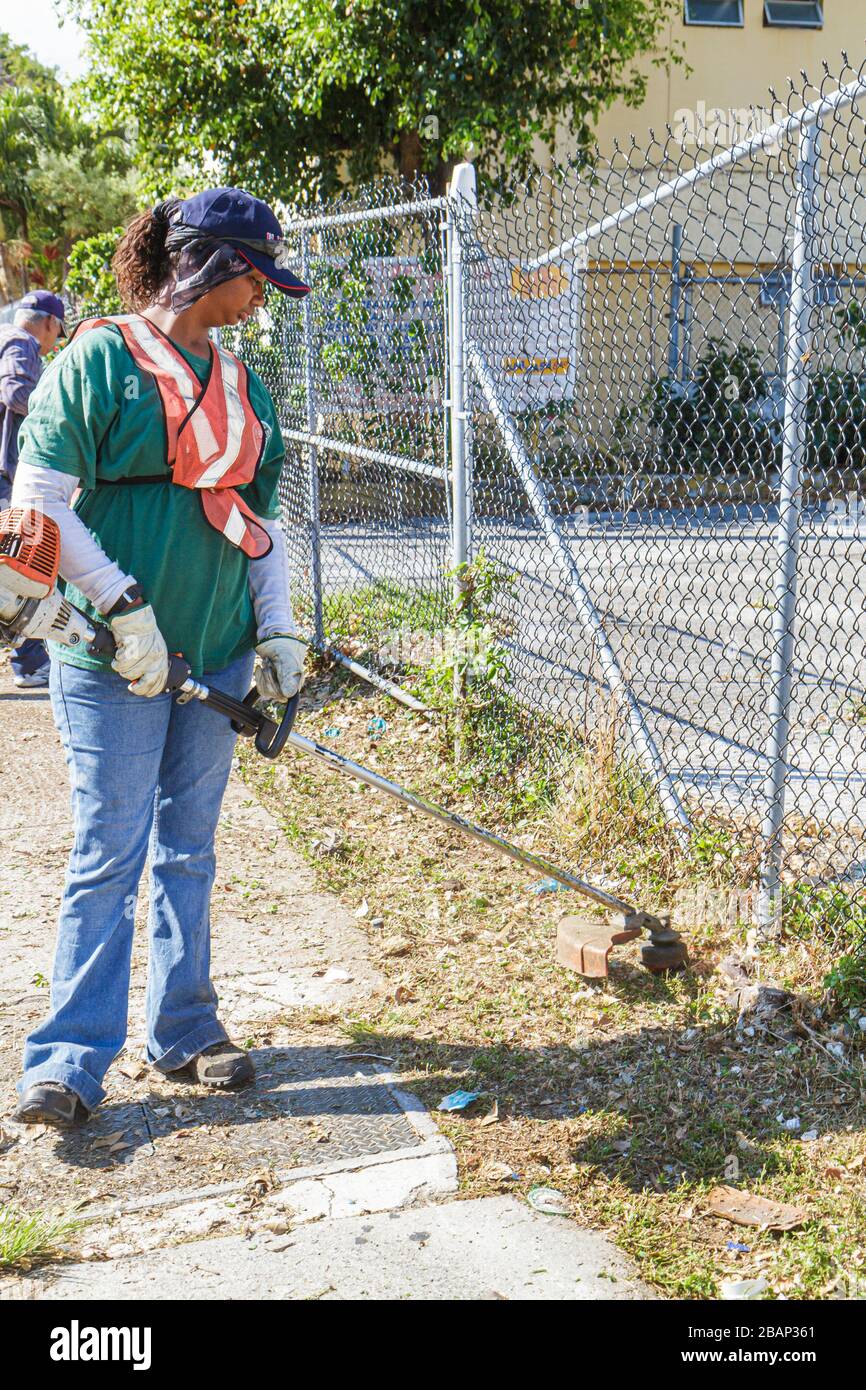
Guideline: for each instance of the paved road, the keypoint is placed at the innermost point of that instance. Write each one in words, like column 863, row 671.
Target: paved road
column 688, row 606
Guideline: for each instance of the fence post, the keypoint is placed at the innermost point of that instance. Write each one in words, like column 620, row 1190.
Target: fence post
column 313, row 518
column 462, row 186
column 674, row 338
column 800, row 308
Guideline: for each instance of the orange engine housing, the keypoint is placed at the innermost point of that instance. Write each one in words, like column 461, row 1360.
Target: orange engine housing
column 30, row 548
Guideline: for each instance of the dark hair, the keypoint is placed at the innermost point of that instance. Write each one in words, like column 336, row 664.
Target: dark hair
column 141, row 263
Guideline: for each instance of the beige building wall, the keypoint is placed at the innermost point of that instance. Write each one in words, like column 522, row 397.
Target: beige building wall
column 732, row 68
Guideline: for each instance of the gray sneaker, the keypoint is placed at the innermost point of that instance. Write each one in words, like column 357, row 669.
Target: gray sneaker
column 51, row 1103
column 222, row 1066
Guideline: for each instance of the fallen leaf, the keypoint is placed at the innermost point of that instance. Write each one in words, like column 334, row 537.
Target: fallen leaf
column 747, row 1209
column 403, row 995
column 105, row 1141
column 396, row 946
column 493, row 1117
column 7, row 1139
column 132, row 1070
column 501, row 1172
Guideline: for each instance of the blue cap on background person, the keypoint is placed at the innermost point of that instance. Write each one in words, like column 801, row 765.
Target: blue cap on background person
column 44, row 302
column 246, row 223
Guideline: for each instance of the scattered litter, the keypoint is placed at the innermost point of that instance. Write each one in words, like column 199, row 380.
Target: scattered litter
column 376, row 727
column 746, row 1209
column 377, row 921
column 330, row 842
column 861, row 1023
column 758, row 1003
column 332, row 731
column 548, row 885
column 792, row 1124
column 337, row 976
column 738, row 1245
column 493, row 1117
column 809, row 1137
column 364, row 1057
column 458, row 1100
column 362, row 910
column 736, row 1290
column 549, row 1201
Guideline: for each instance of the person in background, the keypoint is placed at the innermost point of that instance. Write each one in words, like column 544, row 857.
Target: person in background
column 32, row 335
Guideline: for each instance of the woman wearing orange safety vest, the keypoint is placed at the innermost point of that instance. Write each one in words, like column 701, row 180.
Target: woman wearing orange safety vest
column 171, row 450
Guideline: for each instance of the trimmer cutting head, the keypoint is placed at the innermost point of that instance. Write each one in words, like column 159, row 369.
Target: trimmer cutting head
column 585, row 945
column 29, row 552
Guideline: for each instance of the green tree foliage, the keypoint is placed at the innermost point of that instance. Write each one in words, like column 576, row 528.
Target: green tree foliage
column 90, row 287
column 296, row 98
column 61, row 177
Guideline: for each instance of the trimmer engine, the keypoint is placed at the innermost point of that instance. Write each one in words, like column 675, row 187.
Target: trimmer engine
column 30, row 604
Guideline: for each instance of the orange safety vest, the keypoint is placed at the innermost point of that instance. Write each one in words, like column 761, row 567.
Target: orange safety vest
column 214, row 439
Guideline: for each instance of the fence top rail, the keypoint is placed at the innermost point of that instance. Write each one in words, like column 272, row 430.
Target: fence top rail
column 798, row 120
column 345, row 219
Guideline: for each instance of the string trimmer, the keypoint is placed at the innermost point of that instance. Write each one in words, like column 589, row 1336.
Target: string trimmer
column 32, row 607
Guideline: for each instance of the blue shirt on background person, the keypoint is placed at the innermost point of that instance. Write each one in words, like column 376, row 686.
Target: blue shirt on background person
column 32, row 335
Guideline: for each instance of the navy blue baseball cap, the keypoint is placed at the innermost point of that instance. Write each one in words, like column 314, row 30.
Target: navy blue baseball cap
column 247, row 224
column 44, row 302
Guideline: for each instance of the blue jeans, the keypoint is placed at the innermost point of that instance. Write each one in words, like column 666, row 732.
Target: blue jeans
column 29, row 657
column 147, row 777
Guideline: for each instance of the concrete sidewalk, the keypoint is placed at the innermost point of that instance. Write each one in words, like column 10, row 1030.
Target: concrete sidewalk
column 325, row 1180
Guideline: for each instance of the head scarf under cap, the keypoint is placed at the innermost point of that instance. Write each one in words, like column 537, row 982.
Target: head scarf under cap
column 202, row 261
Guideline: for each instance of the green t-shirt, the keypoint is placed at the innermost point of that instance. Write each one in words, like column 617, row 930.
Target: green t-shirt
column 97, row 416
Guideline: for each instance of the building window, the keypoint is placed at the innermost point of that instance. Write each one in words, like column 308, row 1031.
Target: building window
column 793, row 14
column 727, row 12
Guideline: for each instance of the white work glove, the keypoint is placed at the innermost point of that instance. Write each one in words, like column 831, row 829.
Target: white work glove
column 142, row 656
column 280, row 671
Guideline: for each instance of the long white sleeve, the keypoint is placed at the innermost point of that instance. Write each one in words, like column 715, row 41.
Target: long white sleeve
column 83, row 562
column 269, row 586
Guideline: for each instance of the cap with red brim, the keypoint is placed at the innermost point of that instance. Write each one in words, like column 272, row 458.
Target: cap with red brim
column 277, row 275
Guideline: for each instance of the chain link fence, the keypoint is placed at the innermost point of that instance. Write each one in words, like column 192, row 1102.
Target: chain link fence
column 609, row 424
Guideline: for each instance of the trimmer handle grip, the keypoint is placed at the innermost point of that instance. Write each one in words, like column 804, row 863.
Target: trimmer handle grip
column 104, row 644
column 273, row 748
column 270, row 737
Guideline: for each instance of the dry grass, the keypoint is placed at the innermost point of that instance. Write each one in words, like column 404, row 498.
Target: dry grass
column 633, row 1096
